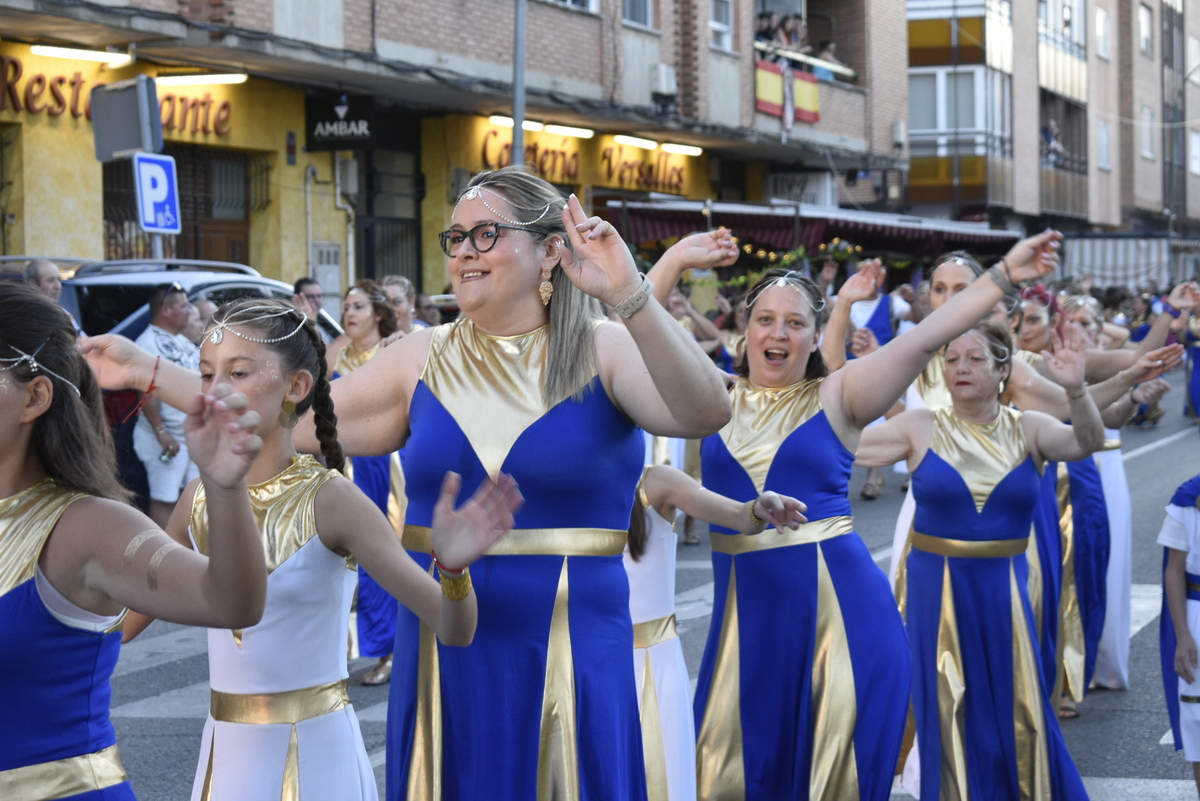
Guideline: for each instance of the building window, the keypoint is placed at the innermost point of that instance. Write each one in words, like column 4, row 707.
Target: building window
column 1102, row 33
column 1147, row 132
column 1145, row 28
column 1193, row 58
column 1194, row 152
column 922, row 102
column 638, row 12
column 1103, row 146
column 945, row 98
column 721, row 24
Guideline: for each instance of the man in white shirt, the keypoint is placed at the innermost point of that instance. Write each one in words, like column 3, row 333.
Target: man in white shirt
column 43, row 274
column 158, row 436
column 1180, row 629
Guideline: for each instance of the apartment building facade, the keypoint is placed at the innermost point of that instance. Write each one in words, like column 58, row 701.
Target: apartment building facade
column 627, row 99
column 1059, row 112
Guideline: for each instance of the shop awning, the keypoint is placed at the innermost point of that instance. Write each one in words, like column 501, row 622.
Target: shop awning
column 784, row 225
column 1129, row 261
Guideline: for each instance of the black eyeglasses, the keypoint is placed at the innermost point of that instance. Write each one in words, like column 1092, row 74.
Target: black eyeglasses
column 483, row 237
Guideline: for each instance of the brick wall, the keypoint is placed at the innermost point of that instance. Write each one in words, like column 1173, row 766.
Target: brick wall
column 357, row 25
column 843, row 111
column 559, row 41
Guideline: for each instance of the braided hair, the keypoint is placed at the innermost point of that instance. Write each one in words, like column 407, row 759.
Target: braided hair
column 277, row 319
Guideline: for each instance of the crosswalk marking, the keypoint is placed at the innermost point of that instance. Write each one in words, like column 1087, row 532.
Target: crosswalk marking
column 147, row 652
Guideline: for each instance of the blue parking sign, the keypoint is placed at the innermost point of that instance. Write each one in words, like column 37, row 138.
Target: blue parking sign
column 157, row 193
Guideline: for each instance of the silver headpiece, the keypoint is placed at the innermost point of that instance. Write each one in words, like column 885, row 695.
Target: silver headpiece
column 216, row 333
column 477, row 192
column 34, row 365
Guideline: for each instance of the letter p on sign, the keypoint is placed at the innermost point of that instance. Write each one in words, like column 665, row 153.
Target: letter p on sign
column 157, row 193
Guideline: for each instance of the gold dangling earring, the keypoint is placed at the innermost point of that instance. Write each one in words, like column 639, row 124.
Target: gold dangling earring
column 546, row 289
column 288, row 417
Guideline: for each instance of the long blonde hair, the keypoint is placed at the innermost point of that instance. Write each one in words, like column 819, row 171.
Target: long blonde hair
column 571, row 359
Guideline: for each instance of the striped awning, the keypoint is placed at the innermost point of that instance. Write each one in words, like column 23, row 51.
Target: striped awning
column 1118, row 261
column 787, row 225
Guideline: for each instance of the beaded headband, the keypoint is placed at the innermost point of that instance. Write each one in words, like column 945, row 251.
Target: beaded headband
column 34, row 365
column 476, row 192
column 792, row 279
column 216, row 333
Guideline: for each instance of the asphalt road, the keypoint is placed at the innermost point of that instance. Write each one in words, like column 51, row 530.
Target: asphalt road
column 160, row 690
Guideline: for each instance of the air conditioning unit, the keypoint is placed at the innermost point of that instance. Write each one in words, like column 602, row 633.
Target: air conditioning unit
column 662, row 79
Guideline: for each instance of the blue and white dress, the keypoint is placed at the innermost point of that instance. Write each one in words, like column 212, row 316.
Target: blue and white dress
column 804, row 684
column 56, row 660
column 543, row 704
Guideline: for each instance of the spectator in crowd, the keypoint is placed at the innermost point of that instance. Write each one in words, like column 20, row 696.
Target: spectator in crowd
column 207, row 309
column 425, row 313
column 1053, row 151
column 158, row 436
column 793, row 34
column 766, row 27
column 401, row 293
column 828, row 52
column 309, row 299
column 193, row 329
column 43, row 274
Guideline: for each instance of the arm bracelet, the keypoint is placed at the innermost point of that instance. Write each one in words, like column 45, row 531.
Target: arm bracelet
column 1001, row 280
column 754, row 518
column 634, row 303
column 455, row 587
column 1077, row 395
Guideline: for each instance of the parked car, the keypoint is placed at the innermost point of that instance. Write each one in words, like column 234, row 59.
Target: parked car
column 113, row 297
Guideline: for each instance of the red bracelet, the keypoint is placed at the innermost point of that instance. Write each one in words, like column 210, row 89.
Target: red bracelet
column 442, row 568
column 145, row 395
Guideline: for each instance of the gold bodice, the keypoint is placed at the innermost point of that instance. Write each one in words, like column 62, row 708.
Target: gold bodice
column 763, row 417
column 983, row 454
column 490, row 385
column 284, row 509
column 349, row 359
column 26, row 520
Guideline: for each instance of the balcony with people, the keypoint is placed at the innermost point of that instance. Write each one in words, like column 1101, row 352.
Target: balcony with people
column 1063, row 162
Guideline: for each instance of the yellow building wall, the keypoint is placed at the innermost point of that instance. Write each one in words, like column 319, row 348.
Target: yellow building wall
column 58, row 193
column 474, row 144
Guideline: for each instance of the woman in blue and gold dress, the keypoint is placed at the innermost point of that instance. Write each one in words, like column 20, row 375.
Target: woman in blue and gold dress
column 73, row 556
column 368, row 317
column 804, row 683
column 532, row 382
column 985, row 721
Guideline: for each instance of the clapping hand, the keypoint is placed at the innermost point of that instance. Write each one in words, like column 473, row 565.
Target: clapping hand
column 221, row 436
column 1065, row 362
column 863, row 284
column 1033, row 257
column 597, row 261
column 1185, row 296
column 1151, row 392
column 460, row 536
column 863, row 342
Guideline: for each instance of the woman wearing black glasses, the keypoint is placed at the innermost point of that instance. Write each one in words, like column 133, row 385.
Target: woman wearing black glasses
column 804, row 684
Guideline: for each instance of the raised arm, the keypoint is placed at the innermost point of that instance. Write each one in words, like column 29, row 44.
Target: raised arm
column 695, row 252
column 120, row 364
column 668, row 489
column 652, row 368
column 858, row 287
column 866, row 388
column 105, row 552
column 1051, row 440
column 349, row 522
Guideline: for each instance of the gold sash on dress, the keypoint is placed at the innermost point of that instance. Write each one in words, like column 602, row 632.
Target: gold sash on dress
column 63, row 778
column 263, row 709
column 536, row 541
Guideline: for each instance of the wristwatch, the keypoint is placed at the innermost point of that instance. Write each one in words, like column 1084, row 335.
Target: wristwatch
column 633, row 304
column 160, row 428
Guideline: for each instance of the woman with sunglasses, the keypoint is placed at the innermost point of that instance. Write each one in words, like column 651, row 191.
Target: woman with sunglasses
column 804, row 683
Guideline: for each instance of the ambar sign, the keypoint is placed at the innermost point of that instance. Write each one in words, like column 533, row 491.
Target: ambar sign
column 55, row 95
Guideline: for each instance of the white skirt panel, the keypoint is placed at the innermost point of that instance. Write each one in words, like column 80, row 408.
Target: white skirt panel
column 1112, row 660
column 672, row 690
column 249, row 759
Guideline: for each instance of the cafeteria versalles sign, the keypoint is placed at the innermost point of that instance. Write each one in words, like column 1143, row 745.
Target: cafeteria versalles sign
column 339, row 122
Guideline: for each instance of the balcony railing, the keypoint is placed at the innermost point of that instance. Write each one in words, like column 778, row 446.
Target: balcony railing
column 811, row 63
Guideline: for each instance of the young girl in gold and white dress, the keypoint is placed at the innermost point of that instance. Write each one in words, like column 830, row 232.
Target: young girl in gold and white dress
column 286, row 677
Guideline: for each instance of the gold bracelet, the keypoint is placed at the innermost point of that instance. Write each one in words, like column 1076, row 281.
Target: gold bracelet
column 1077, row 395
column 755, row 519
column 456, row 588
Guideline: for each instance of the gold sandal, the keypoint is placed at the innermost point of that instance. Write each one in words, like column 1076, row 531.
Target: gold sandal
column 380, row 674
